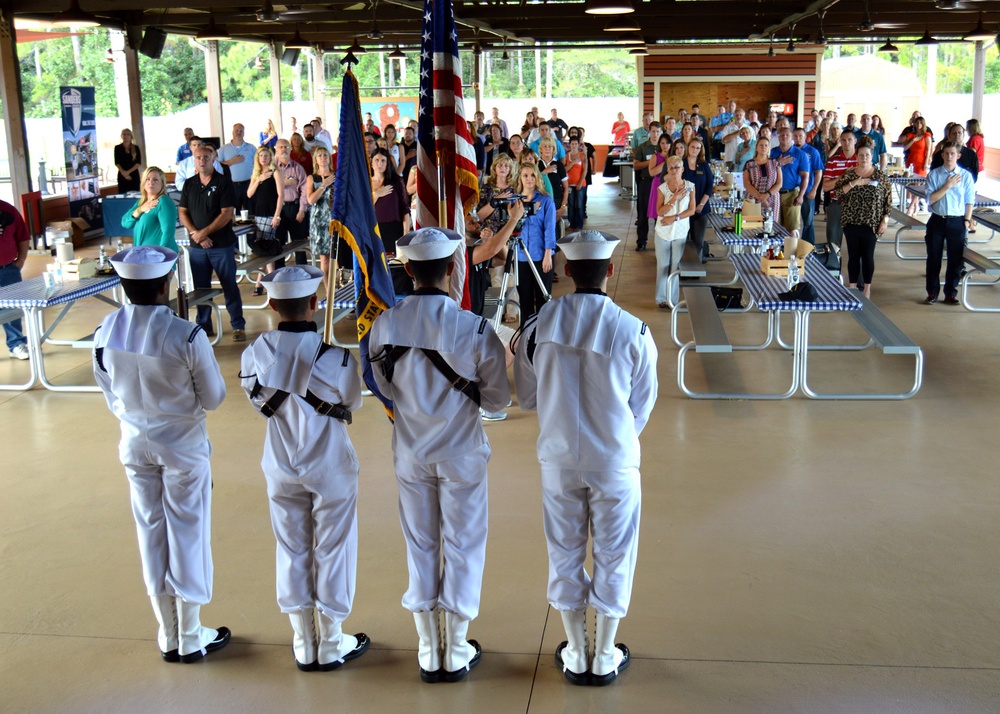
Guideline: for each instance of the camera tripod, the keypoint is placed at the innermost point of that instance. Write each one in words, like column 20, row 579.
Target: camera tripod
column 510, row 270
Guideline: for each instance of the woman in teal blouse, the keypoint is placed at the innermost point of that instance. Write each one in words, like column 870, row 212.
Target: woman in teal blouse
column 153, row 219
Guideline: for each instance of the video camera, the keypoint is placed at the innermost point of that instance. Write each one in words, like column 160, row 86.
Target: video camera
column 502, row 204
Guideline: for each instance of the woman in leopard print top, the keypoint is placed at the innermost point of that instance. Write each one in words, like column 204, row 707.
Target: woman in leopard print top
column 866, row 196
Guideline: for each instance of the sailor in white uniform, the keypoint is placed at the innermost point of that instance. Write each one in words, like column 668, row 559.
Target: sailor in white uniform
column 589, row 368
column 439, row 365
column 307, row 391
column 159, row 375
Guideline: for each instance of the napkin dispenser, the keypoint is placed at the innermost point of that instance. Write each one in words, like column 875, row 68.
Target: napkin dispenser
column 751, row 212
column 80, row 268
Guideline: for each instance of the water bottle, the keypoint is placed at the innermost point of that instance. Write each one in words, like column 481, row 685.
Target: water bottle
column 102, row 258
column 793, row 272
column 768, row 222
column 738, row 220
column 119, row 246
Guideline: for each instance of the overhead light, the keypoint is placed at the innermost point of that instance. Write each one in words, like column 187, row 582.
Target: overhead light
column 397, row 54
column 296, row 43
column 888, row 46
column 622, row 23
column 926, row 40
column 947, row 4
column 73, row 16
column 374, row 33
column 639, row 52
column 356, row 49
column 608, row 7
column 821, row 38
column 630, row 38
column 212, row 32
column 979, row 33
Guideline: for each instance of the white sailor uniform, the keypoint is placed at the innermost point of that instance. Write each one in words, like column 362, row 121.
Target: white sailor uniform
column 440, row 446
column 589, row 368
column 159, row 375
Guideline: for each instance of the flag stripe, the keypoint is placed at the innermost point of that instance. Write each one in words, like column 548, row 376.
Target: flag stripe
column 443, row 137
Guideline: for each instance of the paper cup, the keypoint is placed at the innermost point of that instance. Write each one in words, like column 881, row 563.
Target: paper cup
column 64, row 252
column 791, row 245
column 244, row 215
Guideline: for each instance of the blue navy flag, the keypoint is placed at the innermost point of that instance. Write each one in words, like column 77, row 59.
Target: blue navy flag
column 353, row 217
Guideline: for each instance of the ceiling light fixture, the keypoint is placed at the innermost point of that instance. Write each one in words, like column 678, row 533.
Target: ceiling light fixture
column 791, row 39
column 212, row 32
column 821, row 37
column 397, row 54
column 888, row 46
column 608, row 7
column 947, row 4
column 979, row 33
column 622, row 23
column 630, row 38
column 926, row 40
column 356, row 48
column 296, row 43
column 639, row 52
column 73, row 16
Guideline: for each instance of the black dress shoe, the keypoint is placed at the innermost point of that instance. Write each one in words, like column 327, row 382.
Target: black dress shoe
column 460, row 674
column 930, row 300
column 602, row 680
column 171, row 656
column 430, row 677
column 363, row 644
column 220, row 641
column 581, row 679
column 639, row 247
column 311, row 667
column 951, row 300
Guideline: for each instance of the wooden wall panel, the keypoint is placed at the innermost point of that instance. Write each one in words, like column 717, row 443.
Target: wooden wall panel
column 749, row 95
column 729, row 65
column 647, row 98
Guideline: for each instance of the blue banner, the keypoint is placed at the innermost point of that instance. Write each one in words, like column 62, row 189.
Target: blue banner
column 79, row 123
column 353, row 218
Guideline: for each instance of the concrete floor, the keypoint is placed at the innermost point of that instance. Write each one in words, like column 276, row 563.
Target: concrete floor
column 795, row 556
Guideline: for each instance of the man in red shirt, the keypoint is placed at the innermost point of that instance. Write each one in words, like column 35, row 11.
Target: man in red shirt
column 844, row 158
column 14, row 242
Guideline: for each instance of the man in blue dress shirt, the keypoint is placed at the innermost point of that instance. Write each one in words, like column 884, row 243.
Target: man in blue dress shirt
column 815, row 179
column 951, row 193
column 795, row 172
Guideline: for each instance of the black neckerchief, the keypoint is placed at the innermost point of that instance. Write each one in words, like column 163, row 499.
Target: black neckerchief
column 297, row 326
column 429, row 291
column 590, row 291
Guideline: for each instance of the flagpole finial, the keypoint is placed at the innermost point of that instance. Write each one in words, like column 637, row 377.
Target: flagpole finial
column 349, row 59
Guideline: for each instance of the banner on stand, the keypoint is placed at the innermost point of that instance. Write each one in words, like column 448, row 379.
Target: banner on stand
column 79, row 123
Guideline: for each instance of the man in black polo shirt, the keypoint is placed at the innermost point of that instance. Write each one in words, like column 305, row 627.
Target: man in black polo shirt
column 207, row 204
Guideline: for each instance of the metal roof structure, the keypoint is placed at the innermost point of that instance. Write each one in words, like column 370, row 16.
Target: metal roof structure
column 384, row 24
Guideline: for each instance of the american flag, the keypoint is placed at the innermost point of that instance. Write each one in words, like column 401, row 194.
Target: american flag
column 443, row 137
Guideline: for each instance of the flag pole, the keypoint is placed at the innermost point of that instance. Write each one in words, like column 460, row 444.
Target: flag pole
column 442, row 198
column 331, row 278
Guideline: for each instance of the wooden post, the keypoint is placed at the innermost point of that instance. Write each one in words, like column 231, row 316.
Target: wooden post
column 131, row 59
column 13, row 109
column 319, row 85
column 213, row 89
column 276, row 88
column 978, row 80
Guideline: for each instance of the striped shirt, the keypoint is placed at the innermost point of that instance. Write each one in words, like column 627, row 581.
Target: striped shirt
column 836, row 165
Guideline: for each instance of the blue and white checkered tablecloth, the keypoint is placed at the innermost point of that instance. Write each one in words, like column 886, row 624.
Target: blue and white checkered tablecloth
column 718, row 203
column 343, row 299
column 33, row 293
column 750, row 236
column 900, row 180
column 765, row 288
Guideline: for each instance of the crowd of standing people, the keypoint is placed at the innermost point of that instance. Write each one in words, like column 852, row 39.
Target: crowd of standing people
column 796, row 173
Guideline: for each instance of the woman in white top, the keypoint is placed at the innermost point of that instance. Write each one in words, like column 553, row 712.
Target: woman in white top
column 674, row 209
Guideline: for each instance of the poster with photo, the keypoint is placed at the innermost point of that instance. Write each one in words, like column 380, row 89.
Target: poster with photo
column 79, row 124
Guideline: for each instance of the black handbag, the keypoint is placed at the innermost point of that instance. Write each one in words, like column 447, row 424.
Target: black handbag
column 266, row 247
column 728, row 298
column 828, row 256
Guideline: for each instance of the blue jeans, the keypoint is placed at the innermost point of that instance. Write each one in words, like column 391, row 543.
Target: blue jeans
column 8, row 276
column 808, row 224
column 223, row 262
column 575, row 209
